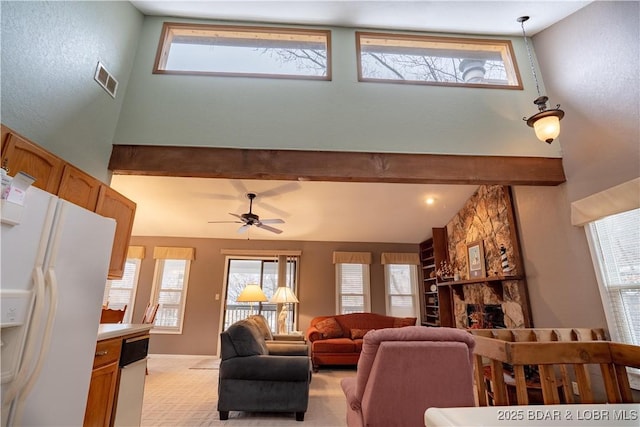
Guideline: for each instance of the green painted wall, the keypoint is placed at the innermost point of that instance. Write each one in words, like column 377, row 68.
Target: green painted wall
column 341, row 114
column 49, row 55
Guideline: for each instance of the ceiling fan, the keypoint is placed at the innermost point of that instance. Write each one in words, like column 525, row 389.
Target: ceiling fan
column 248, row 219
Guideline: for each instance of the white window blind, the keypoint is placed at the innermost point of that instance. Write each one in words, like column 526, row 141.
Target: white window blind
column 616, row 240
column 170, row 282
column 352, row 287
column 401, row 287
column 615, row 249
column 122, row 292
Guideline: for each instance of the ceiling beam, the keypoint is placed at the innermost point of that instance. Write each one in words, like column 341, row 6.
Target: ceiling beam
column 339, row 166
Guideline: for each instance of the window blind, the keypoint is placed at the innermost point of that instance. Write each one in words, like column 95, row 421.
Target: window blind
column 617, row 249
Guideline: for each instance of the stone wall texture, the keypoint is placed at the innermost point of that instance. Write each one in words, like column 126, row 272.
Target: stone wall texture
column 486, row 218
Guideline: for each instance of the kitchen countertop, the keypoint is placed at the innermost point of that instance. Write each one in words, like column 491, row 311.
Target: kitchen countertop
column 114, row 330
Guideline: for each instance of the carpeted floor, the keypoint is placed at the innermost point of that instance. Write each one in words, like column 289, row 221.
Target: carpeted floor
column 182, row 391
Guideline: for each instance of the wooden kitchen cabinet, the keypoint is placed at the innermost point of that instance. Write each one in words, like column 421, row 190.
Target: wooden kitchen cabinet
column 4, row 134
column 114, row 205
column 63, row 179
column 79, row 187
column 19, row 154
column 104, row 382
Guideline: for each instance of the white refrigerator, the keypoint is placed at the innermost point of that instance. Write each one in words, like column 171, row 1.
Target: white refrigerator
column 54, row 265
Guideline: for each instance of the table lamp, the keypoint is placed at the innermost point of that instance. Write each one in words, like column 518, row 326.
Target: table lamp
column 284, row 296
column 252, row 293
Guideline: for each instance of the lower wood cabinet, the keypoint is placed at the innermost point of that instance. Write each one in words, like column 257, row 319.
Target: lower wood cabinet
column 104, row 381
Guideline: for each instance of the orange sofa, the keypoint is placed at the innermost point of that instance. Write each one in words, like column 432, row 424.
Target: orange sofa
column 337, row 340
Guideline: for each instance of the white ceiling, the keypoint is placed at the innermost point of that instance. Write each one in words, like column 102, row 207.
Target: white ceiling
column 321, row 211
column 316, row 211
column 452, row 16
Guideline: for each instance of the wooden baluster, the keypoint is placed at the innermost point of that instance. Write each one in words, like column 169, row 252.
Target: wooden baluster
column 549, row 385
column 623, row 383
column 584, row 383
column 565, row 335
column 521, row 385
column 497, row 379
column 610, row 383
column 481, row 388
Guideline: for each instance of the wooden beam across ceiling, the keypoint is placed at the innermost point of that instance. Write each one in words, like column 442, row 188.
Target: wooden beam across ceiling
column 338, row 166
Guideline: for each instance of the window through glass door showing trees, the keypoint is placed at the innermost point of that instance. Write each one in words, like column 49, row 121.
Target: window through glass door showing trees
column 264, row 273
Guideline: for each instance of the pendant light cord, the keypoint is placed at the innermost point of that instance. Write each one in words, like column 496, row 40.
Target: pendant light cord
column 526, row 43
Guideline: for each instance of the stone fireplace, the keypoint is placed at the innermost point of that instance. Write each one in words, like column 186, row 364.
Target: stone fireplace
column 502, row 300
column 481, row 316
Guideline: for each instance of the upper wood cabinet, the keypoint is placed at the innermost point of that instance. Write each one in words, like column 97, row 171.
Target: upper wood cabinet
column 18, row 155
column 4, row 134
column 114, row 205
column 58, row 177
column 79, row 187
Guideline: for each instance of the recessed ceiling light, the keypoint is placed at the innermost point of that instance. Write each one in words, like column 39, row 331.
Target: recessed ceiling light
column 429, row 200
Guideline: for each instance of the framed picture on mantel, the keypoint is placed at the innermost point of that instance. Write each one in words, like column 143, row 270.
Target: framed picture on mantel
column 475, row 260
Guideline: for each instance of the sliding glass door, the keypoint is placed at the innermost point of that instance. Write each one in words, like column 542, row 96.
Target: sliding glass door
column 263, row 272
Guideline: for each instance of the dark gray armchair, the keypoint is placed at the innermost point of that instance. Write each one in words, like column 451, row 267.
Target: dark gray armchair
column 260, row 377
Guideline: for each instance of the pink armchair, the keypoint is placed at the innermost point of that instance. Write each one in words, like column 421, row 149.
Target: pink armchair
column 404, row 371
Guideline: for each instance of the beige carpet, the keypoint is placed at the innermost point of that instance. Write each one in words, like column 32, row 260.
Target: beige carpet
column 183, row 391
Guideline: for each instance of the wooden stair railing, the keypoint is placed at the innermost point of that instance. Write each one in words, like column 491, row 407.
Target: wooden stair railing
column 555, row 353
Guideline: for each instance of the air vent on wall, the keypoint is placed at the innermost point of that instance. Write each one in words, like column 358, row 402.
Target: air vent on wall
column 106, row 80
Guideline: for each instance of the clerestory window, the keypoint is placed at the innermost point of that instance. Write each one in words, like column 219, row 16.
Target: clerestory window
column 445, row 61
column 244, row 51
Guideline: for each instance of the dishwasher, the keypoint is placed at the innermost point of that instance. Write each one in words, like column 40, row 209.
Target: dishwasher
column 133, row 369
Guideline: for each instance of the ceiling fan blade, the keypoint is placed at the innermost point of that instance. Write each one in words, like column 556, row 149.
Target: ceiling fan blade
column 243, row 228
column 224, row 222
column 281, row 189
column 240, row 188
column 268, row 228
column 272, row 221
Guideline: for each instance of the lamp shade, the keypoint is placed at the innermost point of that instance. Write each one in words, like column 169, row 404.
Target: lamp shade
column 547, row 128
column 252, row 293
column 283, row 295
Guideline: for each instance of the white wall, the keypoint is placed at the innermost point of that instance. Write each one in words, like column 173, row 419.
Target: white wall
column 49, row 55
column 341, row 114
column 590, row 61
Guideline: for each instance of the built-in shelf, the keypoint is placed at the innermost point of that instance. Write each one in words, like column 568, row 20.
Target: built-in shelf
column 494, row 282
column 480, row 280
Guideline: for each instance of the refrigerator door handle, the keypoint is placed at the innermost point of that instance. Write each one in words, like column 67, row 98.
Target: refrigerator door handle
column 30, row 350
column 44, row 348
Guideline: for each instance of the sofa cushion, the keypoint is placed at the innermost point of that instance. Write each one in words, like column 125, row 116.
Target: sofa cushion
column 247, row 338
column 357, row 333
column 334, row 345
column 329, row 328
column 400, row 322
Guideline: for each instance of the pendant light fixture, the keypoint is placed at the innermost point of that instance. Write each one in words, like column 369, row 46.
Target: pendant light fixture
column 546, row 122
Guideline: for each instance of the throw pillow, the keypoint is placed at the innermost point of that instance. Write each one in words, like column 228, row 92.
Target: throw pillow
column 247, row 339
column 358, row 333
column 261, row 323
column 329, row 328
